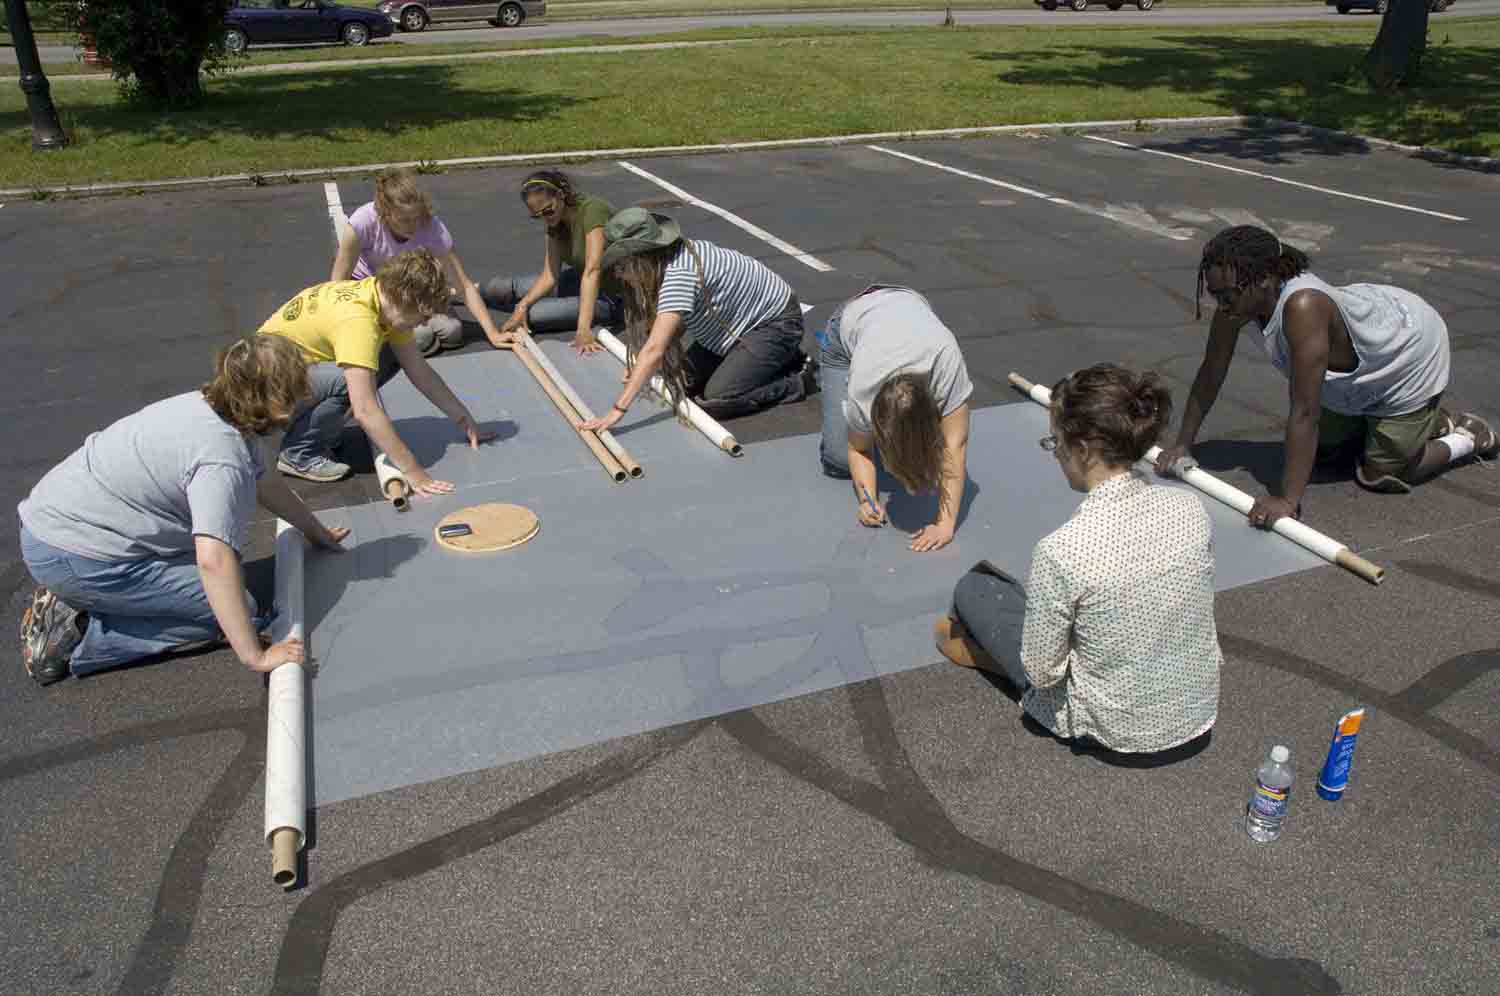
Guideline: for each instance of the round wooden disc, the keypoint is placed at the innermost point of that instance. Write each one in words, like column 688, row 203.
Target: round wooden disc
column 496, row 526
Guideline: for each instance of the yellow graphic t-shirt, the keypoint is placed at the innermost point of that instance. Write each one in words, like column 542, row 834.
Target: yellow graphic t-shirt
column 337, row 322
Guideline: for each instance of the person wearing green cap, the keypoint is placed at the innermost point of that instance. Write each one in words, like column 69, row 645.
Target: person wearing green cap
column 719, row 327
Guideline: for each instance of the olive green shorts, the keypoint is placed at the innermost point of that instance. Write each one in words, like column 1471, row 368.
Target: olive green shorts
column 1388, row 444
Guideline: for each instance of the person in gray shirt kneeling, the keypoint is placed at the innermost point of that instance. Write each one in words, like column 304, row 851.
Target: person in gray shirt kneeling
column 136, row 538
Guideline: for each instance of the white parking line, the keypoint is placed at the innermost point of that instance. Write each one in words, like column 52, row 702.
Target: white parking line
column 1277, row 179
column 807, row 259
column 335, row 208
column 1130, row 219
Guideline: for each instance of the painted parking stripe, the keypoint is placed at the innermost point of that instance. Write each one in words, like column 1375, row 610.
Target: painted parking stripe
column 336, row 215
column 1136, row 219
column 805, row 258
column 1278, row 179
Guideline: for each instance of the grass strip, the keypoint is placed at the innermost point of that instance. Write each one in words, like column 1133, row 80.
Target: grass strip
column 865, row 81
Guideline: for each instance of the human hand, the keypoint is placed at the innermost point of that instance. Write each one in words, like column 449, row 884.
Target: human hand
column 603, row 422
column 475, row 434
column 1167, row 459
column 933, row 537
column 1268, row 508
column 502, row 339
column 332, row 538
column 871, row 514
column 517, row 320
column 288, row 651
column 423, row 483
column 585, row 343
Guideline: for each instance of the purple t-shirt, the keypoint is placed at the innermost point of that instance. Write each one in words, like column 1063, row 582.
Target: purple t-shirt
column 377, row 245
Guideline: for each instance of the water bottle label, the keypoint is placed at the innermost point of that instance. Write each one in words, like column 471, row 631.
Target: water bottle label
column 1269, row 803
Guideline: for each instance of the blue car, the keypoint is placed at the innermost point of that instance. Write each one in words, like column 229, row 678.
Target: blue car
column 283, row 22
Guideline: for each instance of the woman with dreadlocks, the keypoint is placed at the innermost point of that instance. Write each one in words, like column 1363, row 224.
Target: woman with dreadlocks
column 719, row 327
column 1368, row 364
column 567, row 293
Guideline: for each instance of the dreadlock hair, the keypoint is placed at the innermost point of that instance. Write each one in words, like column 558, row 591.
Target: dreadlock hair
column 1252, row 253
column 907, row 424
column 1117, row 413
column 640, row 276
column 258, row 382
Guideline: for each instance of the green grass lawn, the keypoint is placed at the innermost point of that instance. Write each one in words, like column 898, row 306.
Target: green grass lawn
column 855, row 81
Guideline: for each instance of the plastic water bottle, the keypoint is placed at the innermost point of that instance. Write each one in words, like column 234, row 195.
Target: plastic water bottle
column 1273, row 789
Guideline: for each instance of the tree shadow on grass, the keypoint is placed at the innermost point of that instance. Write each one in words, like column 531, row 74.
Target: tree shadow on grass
column 332, row 107
column 1457, row 105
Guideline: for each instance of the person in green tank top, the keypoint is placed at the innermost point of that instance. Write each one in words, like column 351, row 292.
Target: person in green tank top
column 567, row 293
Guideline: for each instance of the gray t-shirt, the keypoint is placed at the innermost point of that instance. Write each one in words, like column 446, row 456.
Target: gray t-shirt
column 894, row 330
column 145, row 486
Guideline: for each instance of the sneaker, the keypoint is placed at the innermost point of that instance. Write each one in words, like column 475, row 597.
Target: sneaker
column 809, row 374
column 49, row 633
column 1386, row 484
column 319, row 469
column 1486, row 443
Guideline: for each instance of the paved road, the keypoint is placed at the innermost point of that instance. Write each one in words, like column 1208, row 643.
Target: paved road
column 626, row 27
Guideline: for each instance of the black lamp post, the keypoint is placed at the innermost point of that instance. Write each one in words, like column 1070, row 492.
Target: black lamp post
column 46, row 131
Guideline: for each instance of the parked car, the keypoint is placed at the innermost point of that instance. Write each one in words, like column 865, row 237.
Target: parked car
column 1379, row 6
column 1084, row 4
column 274, row 22
column 415, row 15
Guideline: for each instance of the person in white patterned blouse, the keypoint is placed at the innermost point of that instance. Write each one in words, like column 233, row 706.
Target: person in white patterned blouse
column 1112, row 639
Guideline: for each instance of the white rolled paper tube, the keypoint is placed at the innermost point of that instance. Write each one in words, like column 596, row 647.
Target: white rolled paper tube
column 697, row 416
column 584, row 412
column 286, row 743
column 385, row 473
column 1303, row 535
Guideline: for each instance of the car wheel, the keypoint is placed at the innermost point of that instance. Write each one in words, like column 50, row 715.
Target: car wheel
column 511, row 15
column 1144, row 4
column 1381, row 6
column 1079, row 4
column 235, row 41
column 413, row 19
column 355, row 34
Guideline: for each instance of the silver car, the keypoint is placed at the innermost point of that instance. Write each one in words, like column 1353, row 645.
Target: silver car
column 415, row 15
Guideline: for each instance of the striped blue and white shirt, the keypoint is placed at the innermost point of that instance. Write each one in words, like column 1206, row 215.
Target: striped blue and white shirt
column 744, row 294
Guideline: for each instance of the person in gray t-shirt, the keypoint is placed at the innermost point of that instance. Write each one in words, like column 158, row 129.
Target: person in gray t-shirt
column 135, row 539
column 894, row 380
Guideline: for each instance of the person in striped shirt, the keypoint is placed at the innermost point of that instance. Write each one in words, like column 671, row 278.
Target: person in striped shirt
column 719, row 327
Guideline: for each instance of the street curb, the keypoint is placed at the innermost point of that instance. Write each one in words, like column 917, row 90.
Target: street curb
column 1483, row 163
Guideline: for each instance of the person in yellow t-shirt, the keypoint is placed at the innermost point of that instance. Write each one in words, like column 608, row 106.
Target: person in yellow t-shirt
column 355, row 335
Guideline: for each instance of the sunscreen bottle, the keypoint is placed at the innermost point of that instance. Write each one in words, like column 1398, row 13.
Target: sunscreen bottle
column 1334, row 777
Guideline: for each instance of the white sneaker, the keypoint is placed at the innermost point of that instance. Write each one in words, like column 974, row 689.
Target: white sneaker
column 320, row 469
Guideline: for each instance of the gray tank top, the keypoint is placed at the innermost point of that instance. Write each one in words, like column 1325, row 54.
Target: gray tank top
column 1400, row 343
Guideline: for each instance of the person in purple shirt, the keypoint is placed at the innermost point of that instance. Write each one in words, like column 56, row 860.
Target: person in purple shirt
column 400, row 218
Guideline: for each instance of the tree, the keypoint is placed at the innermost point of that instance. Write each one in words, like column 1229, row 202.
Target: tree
column 157, row 49
column 1395, row 58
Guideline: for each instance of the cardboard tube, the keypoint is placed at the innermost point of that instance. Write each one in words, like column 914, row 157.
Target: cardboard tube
column 286, row 743
column 699, row 419
column 611, row 466
column 606, row 437
column 1304, row 536
column 284, row 845
column 392, row 482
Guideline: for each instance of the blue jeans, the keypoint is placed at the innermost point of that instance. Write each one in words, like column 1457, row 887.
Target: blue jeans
column 558, row 311
column 992, row 606
column 319, row 420
column 136, row 608
column 833, row 451
column 761, row 370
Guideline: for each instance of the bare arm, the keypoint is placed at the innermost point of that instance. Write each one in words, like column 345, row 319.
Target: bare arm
column 1307, row 315
column 588, row 293
column 861, row 455
column 348, row 254
column 540, row 287
column 472, row 298
column 1223, row 331
column 668, row 326
column 224, row 584
column 281, row 501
